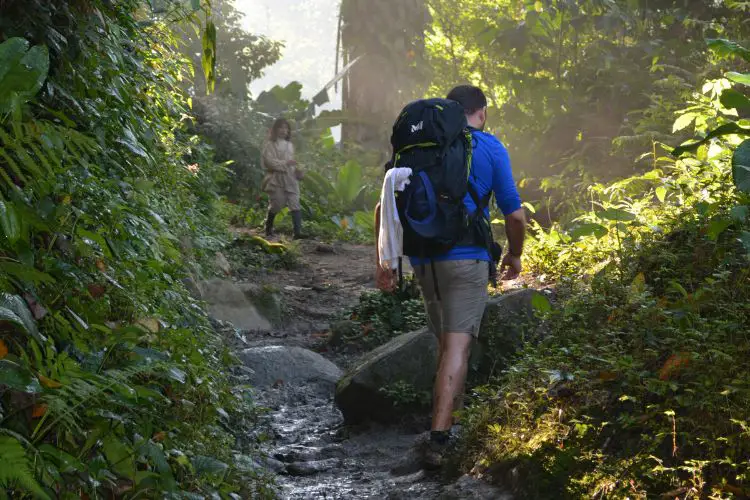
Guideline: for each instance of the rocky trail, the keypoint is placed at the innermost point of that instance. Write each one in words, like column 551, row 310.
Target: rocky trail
column 312, row 452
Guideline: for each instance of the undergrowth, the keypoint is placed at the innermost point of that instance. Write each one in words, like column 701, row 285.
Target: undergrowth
column 112, row 382
column 640, row 387
column 380, row 316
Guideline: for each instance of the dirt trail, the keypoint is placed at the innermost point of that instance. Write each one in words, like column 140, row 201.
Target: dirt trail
column 328, row 279
column 315, row 455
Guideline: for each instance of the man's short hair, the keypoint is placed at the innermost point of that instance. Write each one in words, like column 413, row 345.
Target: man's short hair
column 471, row 98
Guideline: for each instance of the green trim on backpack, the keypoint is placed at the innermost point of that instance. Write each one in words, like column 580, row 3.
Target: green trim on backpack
column 420, row 145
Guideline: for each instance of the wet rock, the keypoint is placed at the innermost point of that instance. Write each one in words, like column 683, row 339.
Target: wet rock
column 266, row 299
column 227, row 302
column 508, row 322
column 276, row 365
column 273, row 465
column 325, row 248
column 296, row 453
column 312, row 467
column 476, row 489
column 222, row 264
column 408, row 359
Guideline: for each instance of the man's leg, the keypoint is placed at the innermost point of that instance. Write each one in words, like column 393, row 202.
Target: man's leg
column 451, row 375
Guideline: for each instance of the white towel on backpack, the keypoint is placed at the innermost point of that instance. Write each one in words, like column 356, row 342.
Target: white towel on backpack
column 391, row 235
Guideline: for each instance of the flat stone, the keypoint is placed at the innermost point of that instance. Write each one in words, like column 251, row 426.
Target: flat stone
column 313, row 467
column 227, row 302
column 277, row 365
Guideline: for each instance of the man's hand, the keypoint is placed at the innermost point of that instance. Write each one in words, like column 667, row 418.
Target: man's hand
column 511, row 266
column 385, row 279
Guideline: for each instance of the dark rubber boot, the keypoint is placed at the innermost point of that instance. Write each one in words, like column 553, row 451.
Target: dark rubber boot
column 269, row 223
column 297, row 222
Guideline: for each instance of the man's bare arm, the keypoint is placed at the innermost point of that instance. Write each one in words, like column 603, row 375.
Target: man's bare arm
column 515, row 230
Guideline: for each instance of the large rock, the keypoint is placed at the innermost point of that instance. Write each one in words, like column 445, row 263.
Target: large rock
column 509, row 322
column 227, row 302
column 410, row 358
column 266, row 299
column 275, row 364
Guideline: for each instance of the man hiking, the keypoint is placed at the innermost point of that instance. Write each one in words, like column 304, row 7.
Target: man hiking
column 454, row 286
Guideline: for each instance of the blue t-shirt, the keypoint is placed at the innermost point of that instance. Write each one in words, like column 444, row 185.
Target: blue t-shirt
column 490, row 171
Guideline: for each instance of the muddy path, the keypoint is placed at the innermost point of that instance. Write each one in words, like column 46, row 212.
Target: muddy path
column 314, row 455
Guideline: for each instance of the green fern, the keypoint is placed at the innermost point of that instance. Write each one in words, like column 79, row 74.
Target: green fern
column 15, row 469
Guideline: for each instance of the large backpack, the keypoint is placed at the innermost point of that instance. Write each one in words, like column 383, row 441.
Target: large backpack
column 432, row 138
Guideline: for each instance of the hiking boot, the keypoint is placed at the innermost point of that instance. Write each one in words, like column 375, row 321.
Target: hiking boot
column 433, row 453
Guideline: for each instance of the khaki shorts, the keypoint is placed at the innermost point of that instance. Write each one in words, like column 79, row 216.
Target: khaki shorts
column 279, row 199
column 463, row 295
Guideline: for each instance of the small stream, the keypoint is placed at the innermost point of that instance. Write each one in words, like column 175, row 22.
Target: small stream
column 319, row 458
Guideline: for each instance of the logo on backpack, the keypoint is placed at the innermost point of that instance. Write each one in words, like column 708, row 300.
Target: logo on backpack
column 416, row 128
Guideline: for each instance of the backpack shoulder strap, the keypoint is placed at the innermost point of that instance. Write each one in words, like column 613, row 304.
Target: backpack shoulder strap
column 481, row 203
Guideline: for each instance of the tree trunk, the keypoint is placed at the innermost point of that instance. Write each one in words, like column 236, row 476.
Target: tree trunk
column 389, row 34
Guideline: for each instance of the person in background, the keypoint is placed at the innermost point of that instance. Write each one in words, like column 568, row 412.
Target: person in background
column 281, row 182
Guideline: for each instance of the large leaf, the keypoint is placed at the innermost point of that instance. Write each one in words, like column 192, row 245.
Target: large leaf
column 24, row 272
column 18, row 377
column 616, row 214
column 208, row 58
column 349, row 182
column 65, row 462
column 589, row 229
column 743, row 78
column 10, row 224
column 726, row 129
column 741, row 167
column 716, row 227
column 733, row 99
column 22, row 72
column 18, row 306
column 119, row 455
column 725, row 48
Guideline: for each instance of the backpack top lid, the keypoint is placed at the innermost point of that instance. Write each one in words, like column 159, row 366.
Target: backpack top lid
column 428, row 122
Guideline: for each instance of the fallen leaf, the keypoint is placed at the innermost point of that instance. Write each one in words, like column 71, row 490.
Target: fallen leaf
column 48, row 382
column 607, row 376
column 159, row 436
column 3, row 349
column 674, row 364
column 150, row 324
column 96, row 290
column 39, row 411
column 100, row 265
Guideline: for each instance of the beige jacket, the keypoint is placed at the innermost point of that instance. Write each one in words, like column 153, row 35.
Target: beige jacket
column 280, row 177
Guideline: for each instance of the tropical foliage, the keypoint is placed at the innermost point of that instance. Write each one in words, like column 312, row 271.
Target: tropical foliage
column 112, row 381
column 639, row 389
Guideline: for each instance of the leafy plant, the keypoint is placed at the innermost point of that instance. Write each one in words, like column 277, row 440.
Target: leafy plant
column 111, row 377
column 643, row 344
